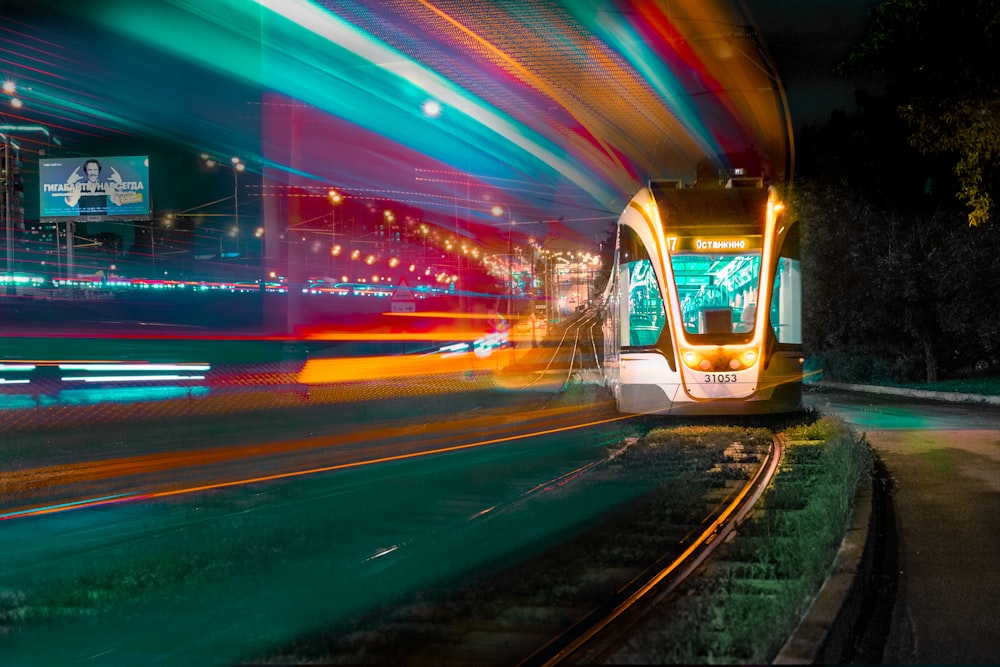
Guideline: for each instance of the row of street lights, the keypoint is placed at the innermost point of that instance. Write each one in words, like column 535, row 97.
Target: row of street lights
column 583, row 262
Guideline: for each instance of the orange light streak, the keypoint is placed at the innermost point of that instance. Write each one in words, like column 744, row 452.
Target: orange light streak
column 100, row 467
column 356, row 369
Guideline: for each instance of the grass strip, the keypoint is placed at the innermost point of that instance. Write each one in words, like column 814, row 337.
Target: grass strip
column 747, row 602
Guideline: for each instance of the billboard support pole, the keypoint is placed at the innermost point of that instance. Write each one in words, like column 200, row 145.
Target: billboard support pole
column 70, row 236
column 59, row 265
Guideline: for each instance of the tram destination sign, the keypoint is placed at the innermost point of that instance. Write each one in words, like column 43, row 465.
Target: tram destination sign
column 713, row 244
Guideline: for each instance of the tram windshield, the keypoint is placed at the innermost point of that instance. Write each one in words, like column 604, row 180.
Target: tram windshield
column 717, row 292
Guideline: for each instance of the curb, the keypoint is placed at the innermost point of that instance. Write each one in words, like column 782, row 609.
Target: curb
column 826, row 632
column 950, row 396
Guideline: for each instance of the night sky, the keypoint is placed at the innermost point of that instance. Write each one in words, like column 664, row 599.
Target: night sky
column 807, row 40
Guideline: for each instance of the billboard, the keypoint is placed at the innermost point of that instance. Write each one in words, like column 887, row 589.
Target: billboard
column 95, row 188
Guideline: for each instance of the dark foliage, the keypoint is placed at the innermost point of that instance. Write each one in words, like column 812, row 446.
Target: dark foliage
column 894, row 295
column 898, row 286
column 938, row 60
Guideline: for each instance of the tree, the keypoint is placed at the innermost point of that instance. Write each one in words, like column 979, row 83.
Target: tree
column 895, row 294
column 939, row 58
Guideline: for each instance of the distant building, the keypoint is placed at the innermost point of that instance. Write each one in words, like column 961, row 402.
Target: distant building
column 11, row 193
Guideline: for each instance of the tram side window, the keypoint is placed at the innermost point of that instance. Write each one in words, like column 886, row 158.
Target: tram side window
column 646, row 314
column 642, row 305
column 786, row 297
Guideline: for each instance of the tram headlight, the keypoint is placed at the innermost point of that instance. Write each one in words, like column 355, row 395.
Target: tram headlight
column 698, row 361
column 744, row 359
column 720, row 360
column 695, row 360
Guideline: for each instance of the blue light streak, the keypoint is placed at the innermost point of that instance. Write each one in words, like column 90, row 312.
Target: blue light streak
column 89, row 502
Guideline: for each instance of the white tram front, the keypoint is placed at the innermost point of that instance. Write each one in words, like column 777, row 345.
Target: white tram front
column 703, row 310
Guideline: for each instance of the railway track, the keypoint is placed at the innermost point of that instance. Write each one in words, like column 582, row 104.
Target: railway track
column 571, row 349
column 596, row 637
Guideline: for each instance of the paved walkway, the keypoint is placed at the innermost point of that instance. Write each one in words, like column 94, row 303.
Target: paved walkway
column 944, row 462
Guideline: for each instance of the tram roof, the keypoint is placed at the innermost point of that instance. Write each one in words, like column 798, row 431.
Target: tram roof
column 696, row 207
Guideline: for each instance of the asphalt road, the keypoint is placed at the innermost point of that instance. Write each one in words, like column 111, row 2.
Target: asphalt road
column 158, row 542
column 944, row 461
column 223, row 574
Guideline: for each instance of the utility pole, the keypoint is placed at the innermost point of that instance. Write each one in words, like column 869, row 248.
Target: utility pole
column 8, row 190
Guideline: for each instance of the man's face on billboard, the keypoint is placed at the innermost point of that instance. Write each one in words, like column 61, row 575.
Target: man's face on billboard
column 93, row 171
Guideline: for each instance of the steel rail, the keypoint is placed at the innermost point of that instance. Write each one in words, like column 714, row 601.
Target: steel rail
column 574, row 327
column 595, row 636
column 577, row 329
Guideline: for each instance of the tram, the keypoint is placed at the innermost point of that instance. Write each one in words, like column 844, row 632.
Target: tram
column 702, row 313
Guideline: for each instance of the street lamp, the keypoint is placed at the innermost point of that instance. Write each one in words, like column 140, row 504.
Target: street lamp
column 234, row 233
column 390, row 222
column 10, row 88
column 335, row 199
column 236, row 165
column 498, row 211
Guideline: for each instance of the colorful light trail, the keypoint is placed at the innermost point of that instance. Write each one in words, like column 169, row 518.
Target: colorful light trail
column 581, row 100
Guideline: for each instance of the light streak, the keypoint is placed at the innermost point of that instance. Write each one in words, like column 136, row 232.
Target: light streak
column 134, row 367
column 76, row 504
column 430, row 336
column 446, row 315
column 411, row 74
column 150, row 495
column 561, row 480
column 482, row 512
column 525, row 96
column 383, row 552
column 130, row 378
column 529, row 77
column 451, row 359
